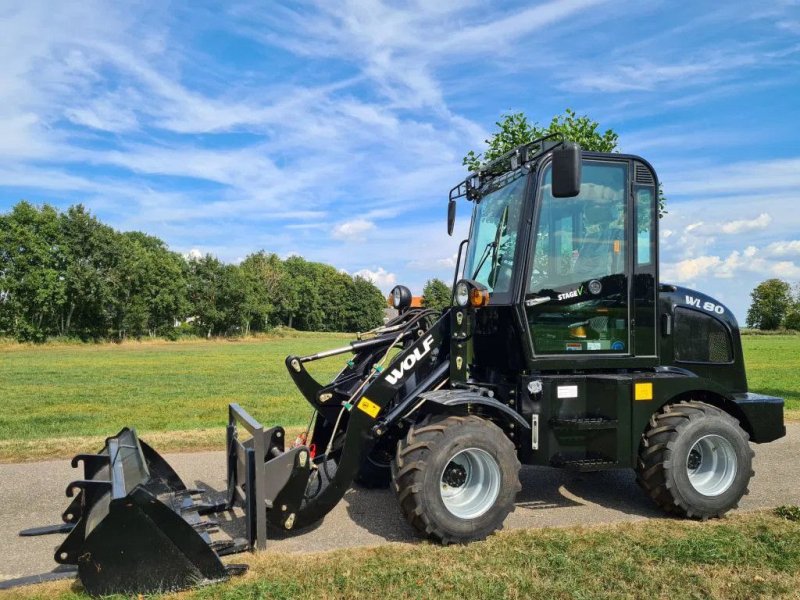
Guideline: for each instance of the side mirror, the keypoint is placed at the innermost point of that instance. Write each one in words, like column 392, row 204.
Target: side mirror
column 451, row 216
column 567, row 163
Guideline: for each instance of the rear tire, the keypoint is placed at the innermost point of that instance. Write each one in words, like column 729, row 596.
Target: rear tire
column 695, row 460
column 456, row 478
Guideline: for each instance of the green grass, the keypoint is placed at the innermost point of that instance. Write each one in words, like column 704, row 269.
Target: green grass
column 773, row 367
column 59, row 391
column 62, row 398
column 754, row 555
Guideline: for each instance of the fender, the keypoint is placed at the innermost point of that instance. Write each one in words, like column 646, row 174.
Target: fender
column 458, row 400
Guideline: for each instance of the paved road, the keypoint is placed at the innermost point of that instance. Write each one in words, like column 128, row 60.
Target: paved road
column 33, row 494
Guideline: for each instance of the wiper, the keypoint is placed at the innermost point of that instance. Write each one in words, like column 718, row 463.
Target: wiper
column 486, row 250
column 502, row 228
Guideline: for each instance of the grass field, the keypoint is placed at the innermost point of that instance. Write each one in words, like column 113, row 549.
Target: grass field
column 754, row 555
column 62, row 398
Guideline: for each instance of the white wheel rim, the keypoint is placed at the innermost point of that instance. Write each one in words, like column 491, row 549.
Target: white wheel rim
column 711, row 465
column 470, row 483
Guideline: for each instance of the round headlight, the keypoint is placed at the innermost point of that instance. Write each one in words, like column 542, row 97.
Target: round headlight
column 401, row 298
column 462, row 293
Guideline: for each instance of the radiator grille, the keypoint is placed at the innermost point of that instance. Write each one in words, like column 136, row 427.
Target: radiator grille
column 701, row 338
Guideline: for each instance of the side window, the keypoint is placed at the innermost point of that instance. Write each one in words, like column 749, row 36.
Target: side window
column 577, row 295
column 701, row 338
column 581, row 238
column 645, row 209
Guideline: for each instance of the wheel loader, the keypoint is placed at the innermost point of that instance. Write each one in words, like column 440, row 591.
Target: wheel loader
column 562, row 347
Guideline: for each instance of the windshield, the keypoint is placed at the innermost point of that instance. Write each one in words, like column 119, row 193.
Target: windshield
column 493, row 235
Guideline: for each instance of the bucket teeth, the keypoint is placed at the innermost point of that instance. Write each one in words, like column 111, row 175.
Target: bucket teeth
column 206, row 525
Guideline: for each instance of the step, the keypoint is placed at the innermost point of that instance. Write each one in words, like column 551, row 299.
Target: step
column 584, row 464
column 585, row 424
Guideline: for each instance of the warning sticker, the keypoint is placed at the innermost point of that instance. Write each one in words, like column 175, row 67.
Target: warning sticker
column 369, row 407
column 643, row 391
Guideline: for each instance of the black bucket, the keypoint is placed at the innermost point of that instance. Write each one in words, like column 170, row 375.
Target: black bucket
column 137, row 528
column 133, row 527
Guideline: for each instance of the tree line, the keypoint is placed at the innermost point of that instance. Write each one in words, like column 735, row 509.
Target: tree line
column 774, row 305
column 67, row 274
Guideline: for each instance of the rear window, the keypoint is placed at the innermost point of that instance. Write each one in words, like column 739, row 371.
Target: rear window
column 701, row 338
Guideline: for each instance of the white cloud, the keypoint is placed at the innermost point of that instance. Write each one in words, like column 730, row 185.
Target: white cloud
column 437, row 264
column 693, row 226
column 351, row 230
column 786, row 268
column 627, row 76
column 739, row 179
column 762, row 221
column 380, row 277
column 194, row 254
column 690, row 268
column 788, row 248
column 735, row 265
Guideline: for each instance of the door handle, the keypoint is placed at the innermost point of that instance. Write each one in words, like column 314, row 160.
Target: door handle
column 536, row 300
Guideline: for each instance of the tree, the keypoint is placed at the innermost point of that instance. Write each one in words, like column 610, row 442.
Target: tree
column 366, row 305
column 93, row 255
column 217, row 295
column 150, row 286
column 68, row 274
column 771, row 300
column 792, row 319
column 32, row 271
column 514, row 129
column 267, row 287
column 436, row 295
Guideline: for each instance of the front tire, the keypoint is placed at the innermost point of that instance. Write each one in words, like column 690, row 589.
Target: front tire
column 456, row 478
column 695, row 460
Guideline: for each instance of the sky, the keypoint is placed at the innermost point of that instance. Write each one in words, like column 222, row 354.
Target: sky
column 334, row 130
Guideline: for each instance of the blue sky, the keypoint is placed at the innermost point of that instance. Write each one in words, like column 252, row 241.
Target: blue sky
column 334, row 130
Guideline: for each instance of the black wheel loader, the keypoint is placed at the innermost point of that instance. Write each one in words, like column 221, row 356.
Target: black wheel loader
column 562, row 347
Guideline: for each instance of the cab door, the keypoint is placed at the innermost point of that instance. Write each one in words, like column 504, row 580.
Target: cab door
column 577, row 299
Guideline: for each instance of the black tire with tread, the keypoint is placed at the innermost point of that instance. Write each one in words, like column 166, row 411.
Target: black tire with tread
column 416, row 470
column 664, row 449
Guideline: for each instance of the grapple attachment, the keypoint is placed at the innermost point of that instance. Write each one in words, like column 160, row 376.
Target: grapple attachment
column 137, row 528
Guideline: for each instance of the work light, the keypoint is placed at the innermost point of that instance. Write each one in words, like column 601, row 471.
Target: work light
column 471, row 293
column 401, row 298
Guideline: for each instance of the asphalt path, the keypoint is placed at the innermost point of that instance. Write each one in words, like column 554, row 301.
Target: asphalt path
column 32, row 494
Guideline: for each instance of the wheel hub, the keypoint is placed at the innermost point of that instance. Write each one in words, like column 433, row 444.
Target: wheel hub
column 711, row 465
column 470, row 483
column 454, row 475
column 695, row 458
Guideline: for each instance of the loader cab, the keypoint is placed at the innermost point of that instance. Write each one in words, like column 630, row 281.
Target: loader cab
column 578, row 276
column 590, row 286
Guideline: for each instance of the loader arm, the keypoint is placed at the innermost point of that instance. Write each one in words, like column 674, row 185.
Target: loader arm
column 348, row 422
